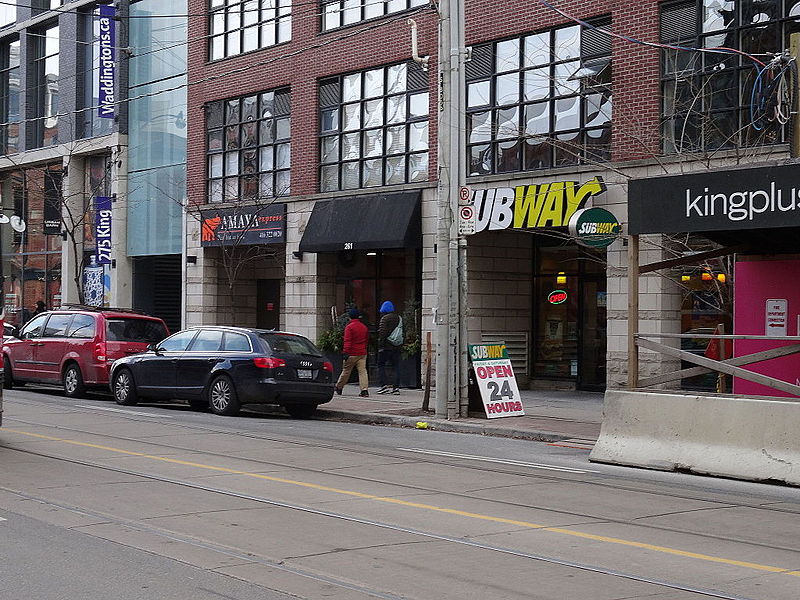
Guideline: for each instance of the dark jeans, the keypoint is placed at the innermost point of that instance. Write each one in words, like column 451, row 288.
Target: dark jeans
column 389, row 356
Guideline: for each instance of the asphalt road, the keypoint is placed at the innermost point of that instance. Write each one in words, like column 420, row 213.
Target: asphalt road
column 156, row 501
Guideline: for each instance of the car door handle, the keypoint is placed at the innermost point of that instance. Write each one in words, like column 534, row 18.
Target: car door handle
column 175, row 360
column 214, row 361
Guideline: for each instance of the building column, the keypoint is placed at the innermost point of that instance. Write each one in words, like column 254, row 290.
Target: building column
column 310, row 285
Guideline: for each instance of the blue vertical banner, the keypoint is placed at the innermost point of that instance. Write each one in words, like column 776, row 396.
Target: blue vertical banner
column 106, row 72
column 102, row 230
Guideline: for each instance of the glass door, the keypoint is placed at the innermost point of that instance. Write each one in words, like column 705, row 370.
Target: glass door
column 592, row 333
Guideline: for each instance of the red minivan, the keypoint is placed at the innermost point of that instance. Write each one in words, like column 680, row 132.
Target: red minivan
column 75, row 347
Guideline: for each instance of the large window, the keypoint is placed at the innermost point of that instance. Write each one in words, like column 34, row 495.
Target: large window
column 707, row 96
column 8, row 13
column 538, row 101
column 337, row 13
column 249, row 152
column 9, row 97
column 238, row 26
column 45, row 63
column 374, row 128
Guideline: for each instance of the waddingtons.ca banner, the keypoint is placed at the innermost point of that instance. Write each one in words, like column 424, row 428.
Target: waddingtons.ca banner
column 107, row 69
column 736, row 199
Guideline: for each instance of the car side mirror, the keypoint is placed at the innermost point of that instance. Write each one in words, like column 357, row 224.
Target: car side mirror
column 153, row 348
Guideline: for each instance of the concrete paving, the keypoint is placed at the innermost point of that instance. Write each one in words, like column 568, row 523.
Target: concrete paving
column 552, row 416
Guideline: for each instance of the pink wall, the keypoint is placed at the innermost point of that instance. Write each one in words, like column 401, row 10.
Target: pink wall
column 755, row 282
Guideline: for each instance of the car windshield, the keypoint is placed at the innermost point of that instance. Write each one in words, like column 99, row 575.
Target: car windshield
column 146, row 331
column 283, row 343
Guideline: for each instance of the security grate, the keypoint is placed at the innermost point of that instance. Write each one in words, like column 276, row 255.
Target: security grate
column 517, row 345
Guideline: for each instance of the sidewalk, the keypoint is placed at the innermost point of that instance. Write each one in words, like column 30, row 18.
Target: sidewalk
column 554, row 416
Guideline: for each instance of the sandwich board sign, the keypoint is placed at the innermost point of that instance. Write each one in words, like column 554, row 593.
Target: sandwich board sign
column 496, row 381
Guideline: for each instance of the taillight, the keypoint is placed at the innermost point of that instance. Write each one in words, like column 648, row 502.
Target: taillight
column 327, row 366
column 269, row 363
column 100, row 352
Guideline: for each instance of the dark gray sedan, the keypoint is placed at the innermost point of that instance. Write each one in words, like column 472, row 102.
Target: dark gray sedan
column 222, row 368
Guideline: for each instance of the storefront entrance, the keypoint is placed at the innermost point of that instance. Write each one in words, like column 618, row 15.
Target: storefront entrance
column 365, row 279
column 569, row 316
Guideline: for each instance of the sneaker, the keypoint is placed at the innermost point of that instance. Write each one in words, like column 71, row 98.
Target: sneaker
column 364, row 394
column 338, row 391
column 396, row 391
column 385, row 390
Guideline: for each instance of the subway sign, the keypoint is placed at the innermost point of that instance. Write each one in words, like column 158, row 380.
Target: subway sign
column 533, row 206
column 594, row 227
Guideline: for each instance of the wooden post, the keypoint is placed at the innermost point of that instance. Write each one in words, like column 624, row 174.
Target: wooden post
column 723, row 355
column 428, row 350
column 633, row 311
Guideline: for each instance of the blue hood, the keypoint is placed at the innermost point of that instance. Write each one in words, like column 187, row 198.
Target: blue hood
column 387, row 307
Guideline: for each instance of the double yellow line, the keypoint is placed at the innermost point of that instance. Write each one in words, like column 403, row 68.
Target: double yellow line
column 430, row 507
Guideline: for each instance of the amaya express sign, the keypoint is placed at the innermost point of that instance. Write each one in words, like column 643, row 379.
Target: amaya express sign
column 533, row 206
column 716, row 201
column 243, row 225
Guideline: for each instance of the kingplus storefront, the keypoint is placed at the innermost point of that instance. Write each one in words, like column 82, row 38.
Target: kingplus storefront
column 739, row 269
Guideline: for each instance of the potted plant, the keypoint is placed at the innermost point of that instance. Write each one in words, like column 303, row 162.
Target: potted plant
column 410, row 351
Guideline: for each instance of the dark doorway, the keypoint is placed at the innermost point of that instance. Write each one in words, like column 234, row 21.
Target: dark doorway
column 157, row 287
column 268, row 298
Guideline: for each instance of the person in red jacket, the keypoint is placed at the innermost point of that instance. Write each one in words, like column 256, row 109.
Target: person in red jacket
column 356, row 336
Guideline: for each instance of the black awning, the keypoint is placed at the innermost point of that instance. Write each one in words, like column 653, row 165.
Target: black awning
column 368, row 222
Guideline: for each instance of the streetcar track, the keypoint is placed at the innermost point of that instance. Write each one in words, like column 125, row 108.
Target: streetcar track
column 355, row 448
column 246, row 557
column 403, row 457
column 707, row 592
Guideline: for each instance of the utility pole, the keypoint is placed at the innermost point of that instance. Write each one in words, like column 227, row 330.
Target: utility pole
column 450, row 257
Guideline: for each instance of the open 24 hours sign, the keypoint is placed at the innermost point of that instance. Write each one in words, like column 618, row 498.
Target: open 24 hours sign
column 496, row 380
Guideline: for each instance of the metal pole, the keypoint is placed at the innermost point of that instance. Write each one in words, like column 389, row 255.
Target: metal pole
column 633, row 311
column 451, row 263
column 794, row 50
column 442, row 312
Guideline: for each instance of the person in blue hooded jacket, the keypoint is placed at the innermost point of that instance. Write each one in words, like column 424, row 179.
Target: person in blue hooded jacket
column 388, row 353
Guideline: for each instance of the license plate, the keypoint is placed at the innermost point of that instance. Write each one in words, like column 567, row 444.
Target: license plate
column 304, row 373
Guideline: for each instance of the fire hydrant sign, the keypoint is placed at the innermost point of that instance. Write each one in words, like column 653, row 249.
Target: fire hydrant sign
column 775, row 317
column 496, row 381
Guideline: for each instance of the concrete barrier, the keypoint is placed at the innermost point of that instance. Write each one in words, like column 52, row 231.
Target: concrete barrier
column 744, row 438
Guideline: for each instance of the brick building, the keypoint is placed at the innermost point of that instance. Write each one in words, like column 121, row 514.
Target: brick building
column 314, row 115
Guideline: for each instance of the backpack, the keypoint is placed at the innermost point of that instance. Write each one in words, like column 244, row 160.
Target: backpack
column 396, row 338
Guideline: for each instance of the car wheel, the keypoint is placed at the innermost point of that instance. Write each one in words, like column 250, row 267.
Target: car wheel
column 124, row 389
column 73, row 382
column 301, row 411
column 199, row 404
column 222, row 397
column 8, row 379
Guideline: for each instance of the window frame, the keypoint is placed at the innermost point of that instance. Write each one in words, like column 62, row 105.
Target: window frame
column 341, row 131
column 698, row 69
column 273, row 117
column 46, row 105
column 230, row 20
column 7, row 72
column 363, row 7
column 550, row 152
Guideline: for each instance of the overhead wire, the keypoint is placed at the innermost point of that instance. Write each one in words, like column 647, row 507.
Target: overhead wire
column 326, row 42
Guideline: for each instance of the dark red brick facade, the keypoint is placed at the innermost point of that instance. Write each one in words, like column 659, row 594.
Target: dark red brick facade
column 312, row 54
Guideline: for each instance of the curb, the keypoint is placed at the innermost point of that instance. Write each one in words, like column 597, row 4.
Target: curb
column 325, row 414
